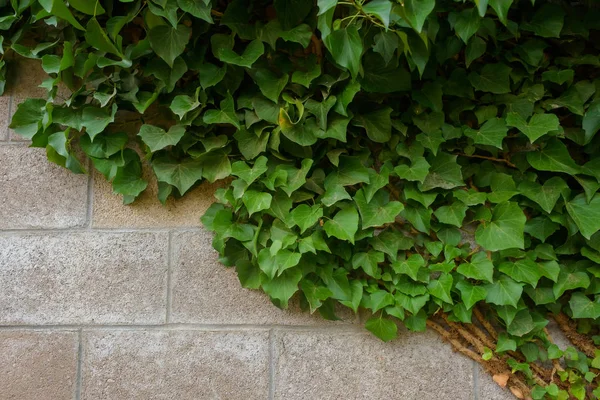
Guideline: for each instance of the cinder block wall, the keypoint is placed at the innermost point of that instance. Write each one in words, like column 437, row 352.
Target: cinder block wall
column 104, row 301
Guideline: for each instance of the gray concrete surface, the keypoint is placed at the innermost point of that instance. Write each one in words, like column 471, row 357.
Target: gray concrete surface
column 103, row 301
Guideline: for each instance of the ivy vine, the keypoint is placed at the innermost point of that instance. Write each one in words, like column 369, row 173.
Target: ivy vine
column 435, row 162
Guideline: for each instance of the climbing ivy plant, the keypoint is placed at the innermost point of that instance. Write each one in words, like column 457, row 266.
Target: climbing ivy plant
column 435, row 162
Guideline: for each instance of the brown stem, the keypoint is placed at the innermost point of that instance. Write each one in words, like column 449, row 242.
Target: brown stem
column 500, row 160
column 486, row 324
column 457, row 345
column 582, row 342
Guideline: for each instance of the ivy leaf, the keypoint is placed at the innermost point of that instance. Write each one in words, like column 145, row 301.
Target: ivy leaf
column 315, row 295
column 292, row 12
column 466, row 23
column 526, row 271
column 569, row 280
column 326, row 5
column 379, row 211
column 250, row 55
column 346, row 47
column 96, row 119
column 249, row 175
column 441, row 288
column 504, row 292
column 501, row 7
column 215, row 165
column 417, row 171
column 168, row 42
column 369, row 262
column 586, row 215
column 97, row 37
column 383, row 328
column 378, row 124
column 226, row 115
column 28, row 118
column 505, row 230
column 386, row 44
column 410, row 266
column 471, row 294
column 475, row 49
column 553, row 157
column 545, row 195
column 444, row 173
column 493, row 78
column 453, row 214
column 157, row 138
column 538, row 125
column 256, row 201
column 547, row 22
column 491, row 133
column 480, row 267
column 343, row 225
column 583, row 307
column 305, row 216
column 198, row 9
column 591, row 121
column 381, row 9
column 415, row 12
column 183, row 175
column 283, row 287
column 183, row 104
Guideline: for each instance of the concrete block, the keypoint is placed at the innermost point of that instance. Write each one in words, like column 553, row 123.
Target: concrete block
column 205, row 291
column 183, row 365
column 83, row 278
column 35, row 193
column 38, row 365
column 347, row 366
column 147, row 211
column 4, row 117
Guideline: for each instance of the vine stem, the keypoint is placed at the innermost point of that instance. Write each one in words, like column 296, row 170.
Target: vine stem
column 500, row 160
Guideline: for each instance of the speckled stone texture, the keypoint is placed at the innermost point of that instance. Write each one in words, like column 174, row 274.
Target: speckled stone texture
column 182, row 365
column 38, row 365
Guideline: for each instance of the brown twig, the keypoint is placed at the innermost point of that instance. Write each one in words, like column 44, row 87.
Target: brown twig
column 500, row 160
column 583, row 343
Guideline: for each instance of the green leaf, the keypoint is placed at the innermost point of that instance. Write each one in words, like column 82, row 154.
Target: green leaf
column 346, row 47
column 96, row 119
column 480, row 267
column 250, row 55
column 283, row 287
column 553, row 157
column 181, row 174
column 28, row 118
column 417, row 171
column 256, row 201
column 386, row 44
column 471, row 294
column 292, row 12
column 157, row 139
column 569, row 280
column 415, row 12
column 591, row 121
column 466, row 23
column 87, row 7
column 493, row 78
column 383, row 328
column 444, row 173
column 505, row 230
column 314, row 294
column 168, row 42
column 343, row 225
column 198, row 9
column 475, row 49
column 270, row 85
column 379, row 211
column 226, row 115
column 381, row 9
column 410, row 266
column 545, row 195
column 326, row 5
column 453, row 214
column 441, row 288
column 183, row 104
column 586, row 215
column 504, row 292
column 501, row 7
column 378, row 124
column 583, row 307
column 97, row 37
column 305, row 216
column 547, row 22
column 526, row 271
column 491, row 133
column 368, row 262
column 538, row 125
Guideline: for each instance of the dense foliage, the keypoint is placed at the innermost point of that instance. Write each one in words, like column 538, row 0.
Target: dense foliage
column 433, row 161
